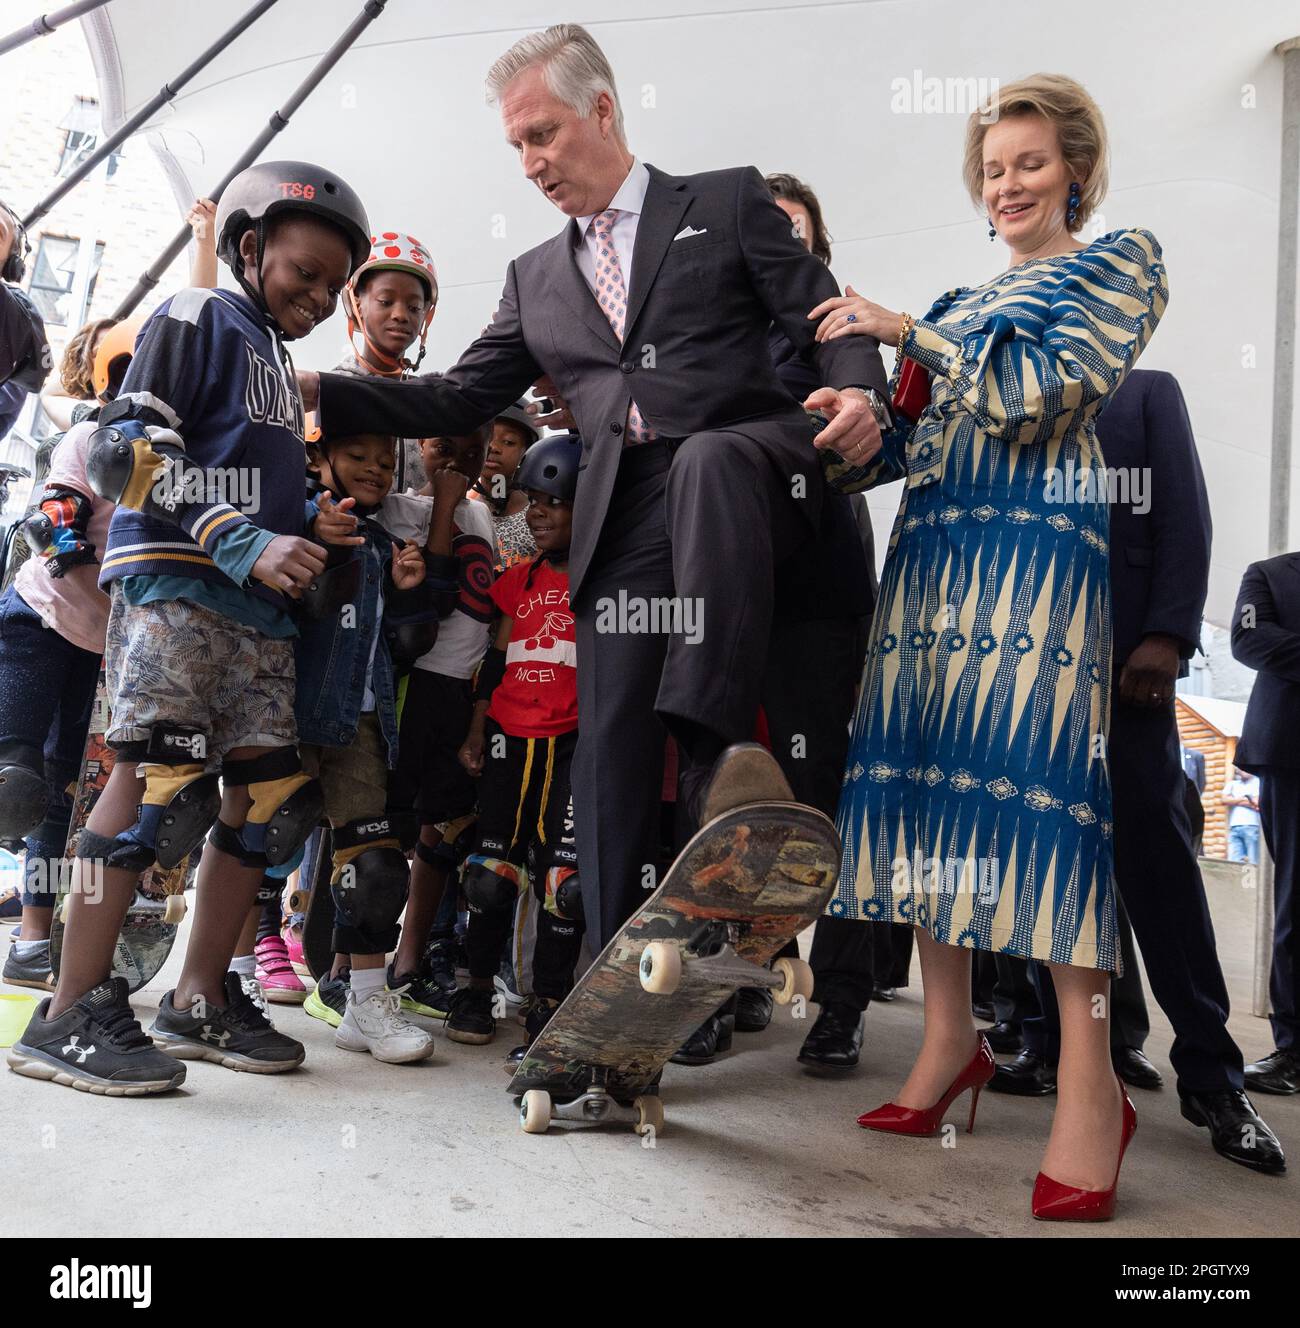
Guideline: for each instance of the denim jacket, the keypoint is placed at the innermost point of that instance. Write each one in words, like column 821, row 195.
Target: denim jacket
column 331, row 657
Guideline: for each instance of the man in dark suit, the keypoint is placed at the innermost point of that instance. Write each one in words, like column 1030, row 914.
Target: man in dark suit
column 1266, row 637
column 1159, row 562
column 650, row 312
column 1194, row 771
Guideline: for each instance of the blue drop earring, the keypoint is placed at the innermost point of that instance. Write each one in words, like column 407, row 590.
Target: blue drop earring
column 1072, row 207
column 993, row 230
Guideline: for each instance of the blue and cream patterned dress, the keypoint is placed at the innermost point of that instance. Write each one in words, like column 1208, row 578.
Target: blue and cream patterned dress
column 976, row 802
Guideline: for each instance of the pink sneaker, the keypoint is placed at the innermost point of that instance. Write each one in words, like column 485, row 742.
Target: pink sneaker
column 274, row 971
column 293, row 944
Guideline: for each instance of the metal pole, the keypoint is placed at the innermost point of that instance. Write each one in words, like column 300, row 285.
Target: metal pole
column 160, row 98
column 1279, row 506
column 43, row 26
column 150, row 278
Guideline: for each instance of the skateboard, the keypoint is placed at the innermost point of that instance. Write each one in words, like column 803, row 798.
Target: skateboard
column 315, row 901
column 150, row 925
column 747, row 883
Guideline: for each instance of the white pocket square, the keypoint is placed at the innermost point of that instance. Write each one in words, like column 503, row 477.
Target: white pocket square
column 688, row 232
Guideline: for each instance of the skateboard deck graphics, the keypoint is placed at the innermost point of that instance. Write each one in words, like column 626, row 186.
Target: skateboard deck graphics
column 146, row 938
column 768, row 869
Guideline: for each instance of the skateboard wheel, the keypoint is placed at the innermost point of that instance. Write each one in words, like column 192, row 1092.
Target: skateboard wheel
column 661, row 968
column 174, row 910
column 796, row 980
column 535, row 1111
column 299, row 900
column 649, row 1114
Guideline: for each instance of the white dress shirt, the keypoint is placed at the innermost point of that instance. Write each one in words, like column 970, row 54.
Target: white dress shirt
column 629, row 200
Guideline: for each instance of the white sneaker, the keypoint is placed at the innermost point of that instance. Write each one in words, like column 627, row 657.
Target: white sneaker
column 253, row 990
column 377, row 1025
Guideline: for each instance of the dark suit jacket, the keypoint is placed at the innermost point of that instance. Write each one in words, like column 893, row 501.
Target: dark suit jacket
column 1266, row 637
column 1194, row 768
column 694, row 353
column 1160, row 559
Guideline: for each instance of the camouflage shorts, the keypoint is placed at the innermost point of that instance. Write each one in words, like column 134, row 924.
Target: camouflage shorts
column 174, row 662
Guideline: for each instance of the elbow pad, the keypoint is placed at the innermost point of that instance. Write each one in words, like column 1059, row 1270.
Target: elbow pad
column 57, row 529
column 137, row 466
column 490, row 673
column 410, row 624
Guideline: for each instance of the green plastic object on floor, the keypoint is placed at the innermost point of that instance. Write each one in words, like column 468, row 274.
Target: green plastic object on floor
column 15, row 1015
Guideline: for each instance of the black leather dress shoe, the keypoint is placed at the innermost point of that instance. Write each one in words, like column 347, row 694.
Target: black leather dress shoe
column 983, row 1011
column 1279, row 1072
column 884, row 993
column 835, row 1040
column 1237, row 1130
column 753, row 1009
column 1029, row 1075
column 1004, row 1036
column 708, row 1041
column 1134, row 1068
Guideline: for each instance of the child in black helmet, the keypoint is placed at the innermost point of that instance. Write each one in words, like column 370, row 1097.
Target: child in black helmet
column 520, row 747
column 203, row 452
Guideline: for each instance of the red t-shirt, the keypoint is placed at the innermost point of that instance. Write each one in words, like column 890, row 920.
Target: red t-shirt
column 538, row 696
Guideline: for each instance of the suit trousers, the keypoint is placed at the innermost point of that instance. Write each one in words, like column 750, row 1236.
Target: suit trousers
column 812, row 669
column 1279, row 810
column 1162, row 891
column 696, row 525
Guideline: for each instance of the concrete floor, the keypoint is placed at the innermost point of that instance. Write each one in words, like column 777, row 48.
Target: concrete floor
column 752, row 1146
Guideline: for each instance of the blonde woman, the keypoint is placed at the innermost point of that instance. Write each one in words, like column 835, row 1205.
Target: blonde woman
column 976, row 805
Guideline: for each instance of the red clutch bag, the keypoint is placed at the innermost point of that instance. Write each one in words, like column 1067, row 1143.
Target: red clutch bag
column 912, row 395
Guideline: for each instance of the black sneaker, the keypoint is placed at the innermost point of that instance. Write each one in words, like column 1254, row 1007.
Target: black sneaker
column 439, row 968
column 422, row 995
column 505, row 983
column 328, row 999
column 34, row 971
column 541, row 1010
column 240, row 1037
column 95, row 1045
column 470, row 1017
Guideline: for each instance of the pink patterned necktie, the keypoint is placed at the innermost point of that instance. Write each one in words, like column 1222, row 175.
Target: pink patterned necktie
column 611, row 295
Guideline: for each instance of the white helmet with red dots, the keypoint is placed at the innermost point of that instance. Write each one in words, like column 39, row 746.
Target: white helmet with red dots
column 399, row 253
column 391, row 251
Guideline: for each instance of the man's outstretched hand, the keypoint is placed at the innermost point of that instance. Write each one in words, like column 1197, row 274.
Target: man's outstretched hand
column 852, row 431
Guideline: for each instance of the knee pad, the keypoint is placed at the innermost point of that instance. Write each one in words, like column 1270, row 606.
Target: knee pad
column 563, row 894
column 287, row 803
column 370, row 875
column 180, row 801
column 458, row 838
column 491, row 885
column 268, row 891
column 23, row 791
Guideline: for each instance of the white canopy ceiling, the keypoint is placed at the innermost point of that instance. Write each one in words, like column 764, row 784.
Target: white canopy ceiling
column 1191, row 92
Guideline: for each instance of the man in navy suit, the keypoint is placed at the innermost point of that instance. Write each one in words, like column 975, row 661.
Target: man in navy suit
column 1266, row 636
column 650, row 311
column 1159, row 564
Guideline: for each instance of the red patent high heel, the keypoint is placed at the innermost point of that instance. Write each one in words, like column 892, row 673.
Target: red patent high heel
column 894, row 1119
column 1054, row 1202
